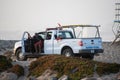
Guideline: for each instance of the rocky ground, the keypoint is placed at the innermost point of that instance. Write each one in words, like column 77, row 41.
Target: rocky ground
column 111, row 55
column 6, row 45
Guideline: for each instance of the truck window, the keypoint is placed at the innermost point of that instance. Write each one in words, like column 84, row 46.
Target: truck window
column 65, row 35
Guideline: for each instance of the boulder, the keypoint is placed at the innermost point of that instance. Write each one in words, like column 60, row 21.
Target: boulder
column 95, row 77
column 8, row 76
column 64, row 77
column 118, row 76
column 48, row 75
column 92, row 78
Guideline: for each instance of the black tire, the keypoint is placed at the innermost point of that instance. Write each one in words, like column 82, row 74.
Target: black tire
column 20, row 57
column 67, row 52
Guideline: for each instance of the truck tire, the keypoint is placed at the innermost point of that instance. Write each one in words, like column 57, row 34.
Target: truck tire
column 67, row 52
column 19, row 55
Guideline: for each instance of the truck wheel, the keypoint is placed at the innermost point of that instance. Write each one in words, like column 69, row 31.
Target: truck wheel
column 19, row 55
column 67, row 52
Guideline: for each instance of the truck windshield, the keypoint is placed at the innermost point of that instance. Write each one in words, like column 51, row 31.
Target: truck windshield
column 87, row 32
column 65, row 34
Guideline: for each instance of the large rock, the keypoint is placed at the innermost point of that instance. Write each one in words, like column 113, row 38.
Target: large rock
column 109, row 77
column 104, row 77
column 64, row 77
column 48, row 75
column 92, row 78
column 118, row 76
column 8, row 76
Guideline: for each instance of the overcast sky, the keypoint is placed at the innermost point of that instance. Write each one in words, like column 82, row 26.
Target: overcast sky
column 17, row 16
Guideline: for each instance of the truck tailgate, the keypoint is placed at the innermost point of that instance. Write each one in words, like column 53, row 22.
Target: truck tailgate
column 91, row 43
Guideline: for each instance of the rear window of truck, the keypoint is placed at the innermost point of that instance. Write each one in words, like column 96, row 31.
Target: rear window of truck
column 65, row 35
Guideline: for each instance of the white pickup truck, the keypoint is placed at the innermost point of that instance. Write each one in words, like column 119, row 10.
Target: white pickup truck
column 70, row 40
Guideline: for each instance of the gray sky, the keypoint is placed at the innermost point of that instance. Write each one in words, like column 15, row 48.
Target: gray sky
column 17, row 16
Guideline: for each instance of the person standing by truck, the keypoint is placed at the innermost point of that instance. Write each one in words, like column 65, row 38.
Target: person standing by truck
column 38, row 44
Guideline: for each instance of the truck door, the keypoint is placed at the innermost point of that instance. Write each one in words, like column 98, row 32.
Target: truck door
column 57, row 44
column 63, row 38
column 48, row 43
